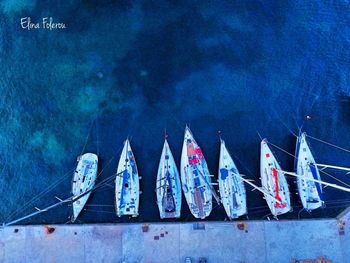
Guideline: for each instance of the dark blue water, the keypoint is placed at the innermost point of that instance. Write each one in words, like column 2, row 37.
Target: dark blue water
column 136, row 68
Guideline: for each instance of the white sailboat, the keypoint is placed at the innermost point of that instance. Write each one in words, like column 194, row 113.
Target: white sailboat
column 127, row 188
column 168, row 186
column 195, row 177
column 274, row 181
column 231, row 185
column 83, row 180
column 310, row 191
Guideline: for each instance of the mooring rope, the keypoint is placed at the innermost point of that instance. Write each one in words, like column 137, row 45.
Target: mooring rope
column 41, row 194
column 335, row 178
column 328, row 143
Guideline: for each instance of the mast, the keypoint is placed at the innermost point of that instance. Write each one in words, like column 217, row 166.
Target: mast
column 319, row 181
column 333, row 167
column 67, row 200
column 210, row 186
column 260, row 189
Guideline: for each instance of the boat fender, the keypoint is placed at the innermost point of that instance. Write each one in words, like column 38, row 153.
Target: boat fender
column 49, row 229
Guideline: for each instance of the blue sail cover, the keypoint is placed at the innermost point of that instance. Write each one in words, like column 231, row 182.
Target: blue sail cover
column 318, row 185
column 125, row 181
column 223, row 173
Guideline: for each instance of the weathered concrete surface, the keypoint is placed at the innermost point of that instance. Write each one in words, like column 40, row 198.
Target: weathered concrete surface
column 343, row 220
column 260, row 241
column 303, row 239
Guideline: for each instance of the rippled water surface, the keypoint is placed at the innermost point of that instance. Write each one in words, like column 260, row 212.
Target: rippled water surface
column 136, row 68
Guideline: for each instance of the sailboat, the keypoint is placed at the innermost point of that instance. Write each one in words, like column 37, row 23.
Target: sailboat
column 127, row 189
column 310, row 192
column 168, row 186
column 307, row 172
column 231, row 185
column 274, row 181
column 195, row 177
column 83, row 180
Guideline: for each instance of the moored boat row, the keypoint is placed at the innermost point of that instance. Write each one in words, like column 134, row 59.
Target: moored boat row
column 196, row 182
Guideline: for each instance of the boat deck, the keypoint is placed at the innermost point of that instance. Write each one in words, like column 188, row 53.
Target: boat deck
column 252, row 241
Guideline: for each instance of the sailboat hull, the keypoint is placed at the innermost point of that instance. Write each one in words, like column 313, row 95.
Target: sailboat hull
column 310, row 192
column 195, row 178
column 168, row 186
column 273, row 181
column 231, row 186
column 127, row 188
column 83, row 180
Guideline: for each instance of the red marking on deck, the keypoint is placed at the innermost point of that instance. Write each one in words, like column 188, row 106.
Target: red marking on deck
column 275, row 175
column 199, row 153
column 267, row 155
column 193, row 161
column 190, row 150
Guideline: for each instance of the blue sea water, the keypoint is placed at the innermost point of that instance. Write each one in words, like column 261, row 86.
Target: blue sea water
column 138, row 68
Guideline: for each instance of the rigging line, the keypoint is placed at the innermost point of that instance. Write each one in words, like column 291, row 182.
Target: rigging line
column 99, row 211
column 328, row 143
column 334, row 206
column 281, row 149
column 210, row 186
column 335, row 178
column 266, row 215
column 259, row 135
column 301, row 210
column 52, row 186
column 69, row 199
column 338, row 200
column 283, row 123
column 257, row 207
column 176, row 121
column 97, row 137
column 108, row 163
column 245, row 167
column 87, row 137
column 41, row 194
column 99, row 205
column 296, row 124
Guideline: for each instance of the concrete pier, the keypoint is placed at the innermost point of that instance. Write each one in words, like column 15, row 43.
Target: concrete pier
column 247, row 241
